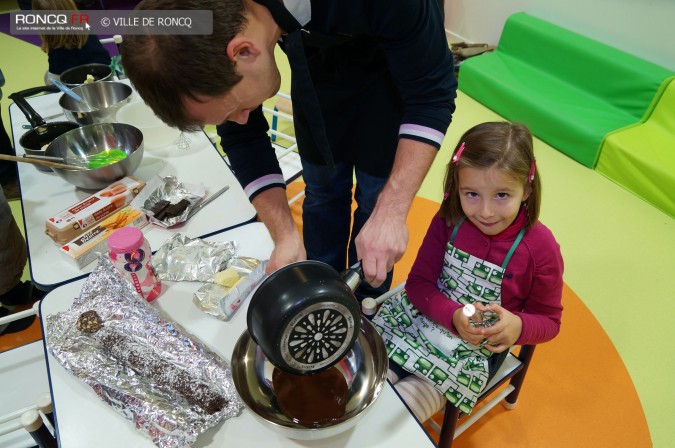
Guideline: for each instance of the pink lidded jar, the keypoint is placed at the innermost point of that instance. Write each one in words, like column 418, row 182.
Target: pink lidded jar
column 130, row 253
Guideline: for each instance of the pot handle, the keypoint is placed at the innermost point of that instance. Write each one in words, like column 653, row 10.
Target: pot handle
column 353, row 276
column 19, row 99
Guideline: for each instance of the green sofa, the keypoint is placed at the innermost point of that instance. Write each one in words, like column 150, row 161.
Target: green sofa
column 570, row 90
column 641, row 157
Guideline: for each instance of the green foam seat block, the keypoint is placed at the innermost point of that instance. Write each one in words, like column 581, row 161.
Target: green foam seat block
column 569, row 89
column 641, row 157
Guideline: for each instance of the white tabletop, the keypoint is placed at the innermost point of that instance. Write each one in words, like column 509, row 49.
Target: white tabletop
column 45, row 194
column 84, row 420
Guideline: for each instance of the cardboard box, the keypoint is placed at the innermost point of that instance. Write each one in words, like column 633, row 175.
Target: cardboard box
column 84, row 249
column 78, row 218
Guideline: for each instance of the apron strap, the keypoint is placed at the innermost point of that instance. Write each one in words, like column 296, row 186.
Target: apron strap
column 513, row 248
column 454, row 231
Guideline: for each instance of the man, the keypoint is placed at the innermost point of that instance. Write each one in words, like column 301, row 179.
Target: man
column 383, row 76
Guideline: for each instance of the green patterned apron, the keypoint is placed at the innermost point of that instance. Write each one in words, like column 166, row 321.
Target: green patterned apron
column 456, row 368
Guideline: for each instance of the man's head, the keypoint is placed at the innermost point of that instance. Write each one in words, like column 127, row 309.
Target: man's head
column 189, row 81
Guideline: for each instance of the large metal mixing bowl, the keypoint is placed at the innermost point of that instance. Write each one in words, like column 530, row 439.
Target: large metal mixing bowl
column 92, row 139
column 364, row 367
column 101, row 102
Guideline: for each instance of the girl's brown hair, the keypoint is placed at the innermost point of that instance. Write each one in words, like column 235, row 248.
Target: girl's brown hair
column 499, row 145
column 53, row 41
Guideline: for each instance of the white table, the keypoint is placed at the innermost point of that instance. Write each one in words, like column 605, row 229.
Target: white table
column 45, row 194
column 84, row 420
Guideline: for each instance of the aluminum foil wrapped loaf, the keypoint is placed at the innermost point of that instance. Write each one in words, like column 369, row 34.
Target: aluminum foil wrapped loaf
column 167, row 201
column 181, row 258
column 147, row 368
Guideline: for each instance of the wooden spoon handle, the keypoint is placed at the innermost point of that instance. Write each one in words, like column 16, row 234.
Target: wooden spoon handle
column 40, row 162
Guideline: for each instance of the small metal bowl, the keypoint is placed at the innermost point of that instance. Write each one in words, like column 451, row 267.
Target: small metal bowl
column 93, row 139
column 101, row 102
column 364, row 367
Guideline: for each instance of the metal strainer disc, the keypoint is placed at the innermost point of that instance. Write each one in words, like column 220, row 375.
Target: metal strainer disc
column 318, row 336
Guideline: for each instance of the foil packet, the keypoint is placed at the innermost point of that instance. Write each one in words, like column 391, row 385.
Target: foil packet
column 163, row 192
column 157, row 411
column 182, row 258
column 223, row 301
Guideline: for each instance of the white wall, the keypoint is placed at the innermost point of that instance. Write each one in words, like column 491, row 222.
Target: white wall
column 644, row 28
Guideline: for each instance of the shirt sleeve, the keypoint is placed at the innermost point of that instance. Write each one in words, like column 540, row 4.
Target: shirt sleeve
column 413, row 38
column 542, row 310
column 422, row 283
column 251, row 155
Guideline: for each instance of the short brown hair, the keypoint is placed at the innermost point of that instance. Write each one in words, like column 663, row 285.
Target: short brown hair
column 54, row 41
column 166, row 69
column 501, row 145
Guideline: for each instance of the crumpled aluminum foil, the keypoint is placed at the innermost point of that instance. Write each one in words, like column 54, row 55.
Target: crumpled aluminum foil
column 182, row 258
column 167, row 189
column 168, row 419
column 222, row 302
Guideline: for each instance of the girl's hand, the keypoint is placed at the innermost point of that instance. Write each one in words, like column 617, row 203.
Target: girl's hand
column 504, row 333
column 464, row 328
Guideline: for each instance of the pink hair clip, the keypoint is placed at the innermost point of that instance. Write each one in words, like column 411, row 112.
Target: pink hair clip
column 445, row 195
column 458, row 154
column 530, row 177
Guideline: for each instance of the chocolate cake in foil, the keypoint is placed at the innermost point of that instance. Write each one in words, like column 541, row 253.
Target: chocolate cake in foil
column 146, row 367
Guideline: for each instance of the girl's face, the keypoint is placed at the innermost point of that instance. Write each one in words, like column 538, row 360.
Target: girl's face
column 490, row 198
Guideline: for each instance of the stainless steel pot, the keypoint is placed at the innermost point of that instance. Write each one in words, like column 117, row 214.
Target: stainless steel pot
column 101, row 101
column 35, row 140
column 305, row 316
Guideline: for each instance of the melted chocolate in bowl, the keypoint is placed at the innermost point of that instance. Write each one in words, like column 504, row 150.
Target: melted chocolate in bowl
column 311, row 400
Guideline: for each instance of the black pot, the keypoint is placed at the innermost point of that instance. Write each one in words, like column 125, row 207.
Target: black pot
column 42, row 133
column 77, row 76
column 305, row 317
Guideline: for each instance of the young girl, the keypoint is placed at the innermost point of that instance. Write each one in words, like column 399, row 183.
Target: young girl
column 485, row 247
column 66, row 51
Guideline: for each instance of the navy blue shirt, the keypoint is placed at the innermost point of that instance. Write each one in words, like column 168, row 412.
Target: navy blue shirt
column 93, row 52
column 382, row 71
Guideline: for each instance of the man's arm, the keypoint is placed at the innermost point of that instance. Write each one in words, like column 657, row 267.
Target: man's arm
column 273, row 211
column 257, row 169
column 384, row 237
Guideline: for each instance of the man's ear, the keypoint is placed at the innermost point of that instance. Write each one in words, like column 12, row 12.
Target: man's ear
column 242, row 49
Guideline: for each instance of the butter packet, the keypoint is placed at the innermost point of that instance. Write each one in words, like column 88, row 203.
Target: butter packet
column 230, row 287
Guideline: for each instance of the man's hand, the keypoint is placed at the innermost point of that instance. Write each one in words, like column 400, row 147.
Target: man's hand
column 384, row 237
column 273, row 211
column 286, row 251
column 380, row 244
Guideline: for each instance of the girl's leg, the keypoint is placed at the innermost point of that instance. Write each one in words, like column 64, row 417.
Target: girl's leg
column 421, row 397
